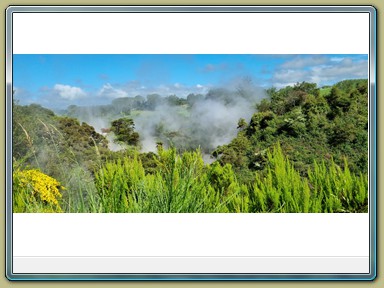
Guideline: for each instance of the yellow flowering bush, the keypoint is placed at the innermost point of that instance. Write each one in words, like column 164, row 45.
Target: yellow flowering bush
column 34, row 191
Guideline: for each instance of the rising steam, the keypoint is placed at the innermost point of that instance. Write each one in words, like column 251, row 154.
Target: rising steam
column 205, row 121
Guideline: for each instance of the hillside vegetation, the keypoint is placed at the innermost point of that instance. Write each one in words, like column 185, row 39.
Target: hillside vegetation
column 304, row 149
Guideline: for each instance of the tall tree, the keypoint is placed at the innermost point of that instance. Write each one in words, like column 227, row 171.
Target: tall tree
column 124, row 129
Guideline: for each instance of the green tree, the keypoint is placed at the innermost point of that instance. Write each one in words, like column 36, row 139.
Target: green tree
column 124, row 129
column 242, row 124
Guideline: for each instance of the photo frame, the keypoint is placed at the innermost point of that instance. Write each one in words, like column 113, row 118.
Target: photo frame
column 191, row 10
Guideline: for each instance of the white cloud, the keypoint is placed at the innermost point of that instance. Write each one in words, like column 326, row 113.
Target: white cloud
column 108, row 91
column 337, row 59
column 335, row 69
column 345, row 69
column 301, row 62
column 283, row 85
column 289, row 76
column 69, row 92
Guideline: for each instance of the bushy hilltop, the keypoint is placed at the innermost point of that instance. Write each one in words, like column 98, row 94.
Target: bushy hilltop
column 311, row 124
column 305, row 149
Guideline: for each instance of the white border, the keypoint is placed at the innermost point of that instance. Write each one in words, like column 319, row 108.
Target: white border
column 191, row 235
column 191, row 33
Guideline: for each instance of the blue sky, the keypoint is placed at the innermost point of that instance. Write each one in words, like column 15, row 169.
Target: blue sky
column 61, row 80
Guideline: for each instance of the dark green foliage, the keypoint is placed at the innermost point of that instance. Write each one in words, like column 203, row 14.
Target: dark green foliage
column 28, row 130
column 242, row 124
column 124, row 129
column 310, row 123
column 80, row 137
column 149, row 161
